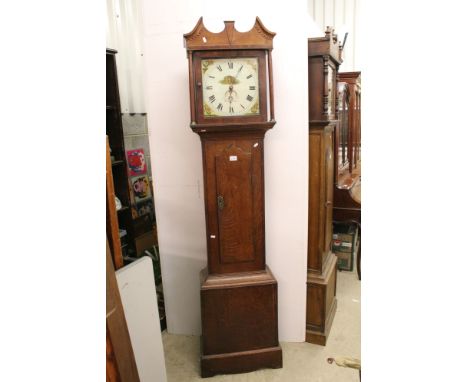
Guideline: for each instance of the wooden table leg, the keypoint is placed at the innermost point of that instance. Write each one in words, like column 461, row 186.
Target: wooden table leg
column 358, row 260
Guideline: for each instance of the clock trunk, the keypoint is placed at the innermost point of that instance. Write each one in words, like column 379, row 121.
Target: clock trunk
column 234, row 202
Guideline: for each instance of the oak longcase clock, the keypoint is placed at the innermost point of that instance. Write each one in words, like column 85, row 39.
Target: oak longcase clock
column 324, row 59
column 231, row 108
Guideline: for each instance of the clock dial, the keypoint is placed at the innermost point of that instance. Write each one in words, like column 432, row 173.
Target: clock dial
column 230, row 87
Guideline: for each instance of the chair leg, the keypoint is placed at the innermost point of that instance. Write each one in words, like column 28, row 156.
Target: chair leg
column 358, row 260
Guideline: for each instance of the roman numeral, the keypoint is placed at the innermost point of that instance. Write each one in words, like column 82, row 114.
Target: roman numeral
column 230, row 64
column 211, row 76
column 242, row 106
column 251, row 87
column 231, row 109
column 249, row 98
column 249, row 76
column 220, row 106
column 240, row 69
column 219, row 68
column 212, row 98
column 209, row 87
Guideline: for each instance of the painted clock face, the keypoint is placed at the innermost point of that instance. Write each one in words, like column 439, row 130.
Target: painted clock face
column 230, row 87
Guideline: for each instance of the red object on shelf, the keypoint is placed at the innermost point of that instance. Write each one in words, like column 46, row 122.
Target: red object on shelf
column 136, row 162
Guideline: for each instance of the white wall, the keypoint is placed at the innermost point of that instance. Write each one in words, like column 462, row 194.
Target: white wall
column 177, row 161
column 123, row 33
column 343, row 15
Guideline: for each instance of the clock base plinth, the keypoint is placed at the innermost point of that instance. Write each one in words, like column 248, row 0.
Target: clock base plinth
column 239, row 323
column 321, row 302
column 319, row 337
column 241, row 362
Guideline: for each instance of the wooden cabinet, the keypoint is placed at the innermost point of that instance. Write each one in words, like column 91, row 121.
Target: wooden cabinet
column 342, row 131
column 120, row 359
column 323, row 63
column 347, row 193
column 231, row 106
column 347, row 205
column 117, row 164
column 352, row 81
column 112, row 222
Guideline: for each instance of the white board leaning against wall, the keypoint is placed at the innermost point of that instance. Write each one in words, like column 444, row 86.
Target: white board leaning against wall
column 138, row 293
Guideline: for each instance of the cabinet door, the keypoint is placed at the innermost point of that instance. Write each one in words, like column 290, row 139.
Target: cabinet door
column 328, row 168
column 234, row 204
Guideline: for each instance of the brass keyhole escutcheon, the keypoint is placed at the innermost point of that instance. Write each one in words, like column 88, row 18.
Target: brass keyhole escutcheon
column 220, row 200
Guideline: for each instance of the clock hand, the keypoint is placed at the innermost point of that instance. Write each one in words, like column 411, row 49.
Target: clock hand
column 231, row 86
column 239, row 71
column 229, row 94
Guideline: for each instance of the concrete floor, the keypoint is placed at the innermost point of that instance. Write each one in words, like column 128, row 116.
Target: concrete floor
column 301, row 361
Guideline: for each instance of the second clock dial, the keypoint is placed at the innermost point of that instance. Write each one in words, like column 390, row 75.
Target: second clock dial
column 230, row 87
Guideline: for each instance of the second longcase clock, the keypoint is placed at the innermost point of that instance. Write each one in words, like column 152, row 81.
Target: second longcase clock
column 323, row 63
column 231, row 104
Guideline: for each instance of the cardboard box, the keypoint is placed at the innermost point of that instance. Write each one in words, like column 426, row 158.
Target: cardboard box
column 344, row 237
column 145, row 241
column 345, row 245
column 345, row 260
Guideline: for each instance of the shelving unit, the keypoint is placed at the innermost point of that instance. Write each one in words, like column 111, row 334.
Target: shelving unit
column 140, row 233
column 134, row 225
column 114, row 132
